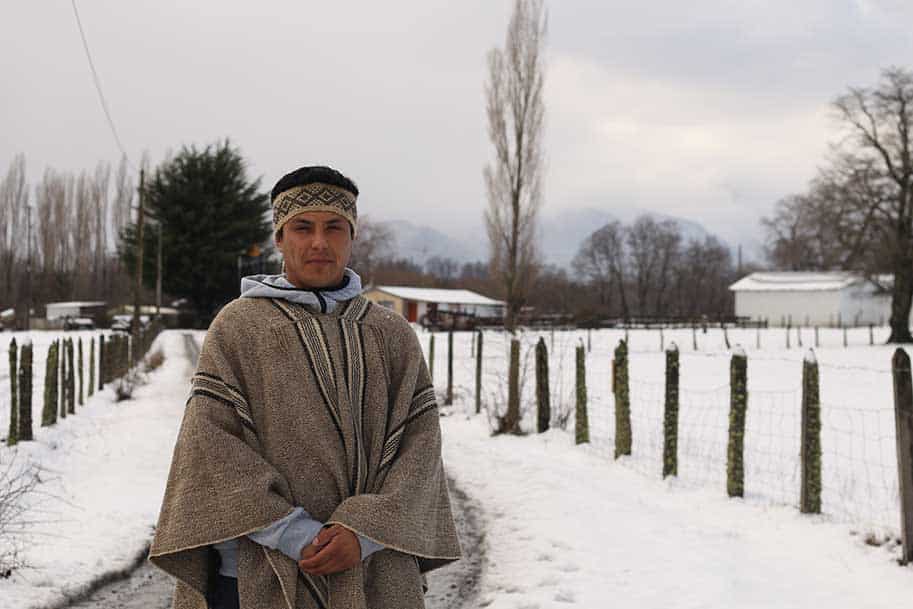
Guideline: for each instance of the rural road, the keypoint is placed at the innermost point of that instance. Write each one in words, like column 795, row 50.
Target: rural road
column 452, row 587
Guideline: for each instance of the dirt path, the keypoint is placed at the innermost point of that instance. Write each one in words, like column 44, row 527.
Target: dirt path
column 452, row 587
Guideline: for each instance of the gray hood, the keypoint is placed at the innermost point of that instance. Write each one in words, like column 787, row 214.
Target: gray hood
column 319, row 300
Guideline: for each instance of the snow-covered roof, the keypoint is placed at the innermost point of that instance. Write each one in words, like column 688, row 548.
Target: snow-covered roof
column 440, row 296
column 77, row 304
column 796, row 282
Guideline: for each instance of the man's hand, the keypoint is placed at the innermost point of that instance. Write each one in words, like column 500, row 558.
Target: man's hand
column 334, row 549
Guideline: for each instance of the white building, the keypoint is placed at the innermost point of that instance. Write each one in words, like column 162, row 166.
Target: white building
column 812, row 298
column 60, row 310
column 415, row 303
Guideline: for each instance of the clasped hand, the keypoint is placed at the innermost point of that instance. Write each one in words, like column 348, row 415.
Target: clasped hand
column 334, row 549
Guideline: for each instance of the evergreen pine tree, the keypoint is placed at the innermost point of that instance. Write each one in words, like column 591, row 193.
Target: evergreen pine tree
column 210, row 212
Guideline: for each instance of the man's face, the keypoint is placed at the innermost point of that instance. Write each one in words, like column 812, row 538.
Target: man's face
column 316, row 246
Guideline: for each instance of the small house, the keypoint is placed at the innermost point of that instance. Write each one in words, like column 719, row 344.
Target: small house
column 826, row 298
column 420, row 304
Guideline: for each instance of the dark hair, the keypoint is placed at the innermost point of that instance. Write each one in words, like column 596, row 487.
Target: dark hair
column 309, row 175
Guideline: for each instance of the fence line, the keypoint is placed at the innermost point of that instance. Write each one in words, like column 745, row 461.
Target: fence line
column 859, row 475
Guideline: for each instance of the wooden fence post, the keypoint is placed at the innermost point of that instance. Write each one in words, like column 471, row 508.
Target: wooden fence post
column 102, row 365
column 694, row 336
column 623, row 438
column 25, row 392
column 844, row 337
column 670, row 415
column 903, row 417
column 662, row 340
column 581, row 422
column 431, row 357
column 758, row 338
column 817, row 343
column 71, row 378
column 512, row 418
column 787, row 337
column 542, row 390
column 449, row 399
column 62, row 378
column 49, row 411
column 799, row 336
column 871, row 335
column 91, row 367
column 810, row 451
column 13, row 435
column 479, row 374
column 738, row 404
column 79, row 369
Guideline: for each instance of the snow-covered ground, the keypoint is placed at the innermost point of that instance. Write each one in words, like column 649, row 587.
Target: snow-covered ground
column 566, row 528
column 104, row 471
column 565, row 525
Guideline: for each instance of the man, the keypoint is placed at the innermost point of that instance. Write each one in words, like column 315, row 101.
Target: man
column 307, row 472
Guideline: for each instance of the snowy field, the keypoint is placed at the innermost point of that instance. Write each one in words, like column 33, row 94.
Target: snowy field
column 859, row 453
column 565, row 528
column 104, row 473
column 564, row 525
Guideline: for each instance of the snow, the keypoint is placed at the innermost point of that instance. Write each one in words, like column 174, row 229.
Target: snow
column 565, row 525
column 795, row 282
column 105, row 471
column 566, row 528
column 438, row 295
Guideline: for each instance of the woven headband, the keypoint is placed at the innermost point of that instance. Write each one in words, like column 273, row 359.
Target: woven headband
column 315, row 196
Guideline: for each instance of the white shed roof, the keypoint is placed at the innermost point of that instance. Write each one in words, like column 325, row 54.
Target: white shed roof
column 796, row 282
column 77, row 304
column 440, row 296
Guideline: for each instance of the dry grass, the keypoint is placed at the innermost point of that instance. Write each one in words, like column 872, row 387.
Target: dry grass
column 154, row 360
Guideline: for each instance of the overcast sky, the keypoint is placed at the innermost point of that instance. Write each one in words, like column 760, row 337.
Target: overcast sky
column 709, row 110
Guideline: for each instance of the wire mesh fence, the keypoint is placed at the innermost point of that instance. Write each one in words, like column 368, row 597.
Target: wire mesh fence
column 858, row 446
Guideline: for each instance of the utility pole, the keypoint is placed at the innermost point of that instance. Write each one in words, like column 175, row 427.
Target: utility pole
column 158, row 275
column 28, row 269
column 138, row 270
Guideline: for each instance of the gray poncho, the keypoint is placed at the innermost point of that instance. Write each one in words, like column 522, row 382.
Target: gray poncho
column 331, row 412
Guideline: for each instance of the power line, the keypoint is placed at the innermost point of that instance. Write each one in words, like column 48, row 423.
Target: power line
column 97, row 81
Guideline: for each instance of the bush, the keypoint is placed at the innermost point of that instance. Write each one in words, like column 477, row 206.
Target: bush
column 124, row 386
column 17, row 482
column 153, row 360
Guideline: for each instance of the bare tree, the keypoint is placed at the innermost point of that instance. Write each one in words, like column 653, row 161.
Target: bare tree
column 374, row 244
column 878, row 123
column 653, row 249
column 602, row 260
column 443, row 269
column 13, row 203
column 833, row 225
column 515, row 111
column 99, row 219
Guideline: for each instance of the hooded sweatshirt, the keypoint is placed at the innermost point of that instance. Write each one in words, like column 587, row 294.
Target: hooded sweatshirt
column 290, row 534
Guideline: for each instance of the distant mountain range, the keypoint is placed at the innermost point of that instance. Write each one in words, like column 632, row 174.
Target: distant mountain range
column 562, row 234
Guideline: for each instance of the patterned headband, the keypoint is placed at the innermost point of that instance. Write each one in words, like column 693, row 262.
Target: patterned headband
column 315, row 196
